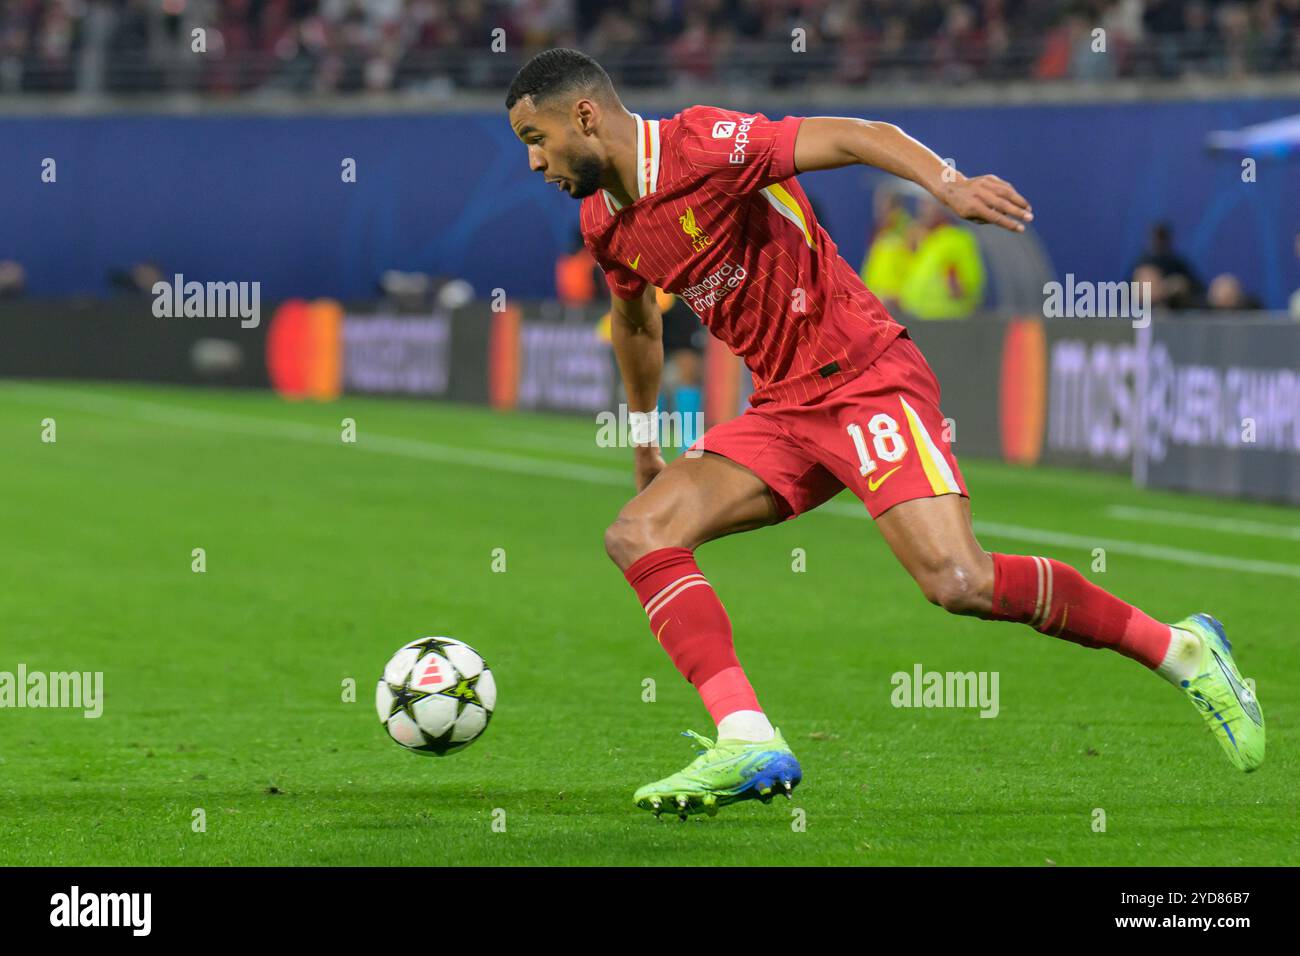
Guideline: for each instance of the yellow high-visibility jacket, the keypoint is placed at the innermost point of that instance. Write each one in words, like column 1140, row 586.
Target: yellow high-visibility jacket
column 946, row 277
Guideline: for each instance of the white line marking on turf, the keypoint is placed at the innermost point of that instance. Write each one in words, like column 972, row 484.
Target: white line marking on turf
column 1201, row 522
column 275, row 428
column 502, row 438
column 1201, row 559
column 1138, row 549
column 539, row 468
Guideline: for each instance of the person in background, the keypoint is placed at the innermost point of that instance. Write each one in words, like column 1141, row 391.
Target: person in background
column 1182, row 287
column 1294, row 305
column 575, row 274
column 13, row 279
column 1151, row 276
column 945, row 278
column 138, row 279
column 889, row 253
column 684, row 341
column 1226, row 293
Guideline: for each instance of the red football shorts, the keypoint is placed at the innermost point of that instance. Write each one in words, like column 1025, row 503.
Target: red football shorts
column 881, row 435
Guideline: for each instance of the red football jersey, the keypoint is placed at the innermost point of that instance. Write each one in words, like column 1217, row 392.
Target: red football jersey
column 721, row 221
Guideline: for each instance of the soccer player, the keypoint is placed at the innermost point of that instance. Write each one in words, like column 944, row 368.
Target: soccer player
column 707, row 205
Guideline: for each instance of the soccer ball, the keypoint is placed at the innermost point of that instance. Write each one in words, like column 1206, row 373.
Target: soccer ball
column 436, row 696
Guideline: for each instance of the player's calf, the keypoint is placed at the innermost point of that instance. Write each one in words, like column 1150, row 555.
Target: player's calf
column 691, row 501
column 1057, row 600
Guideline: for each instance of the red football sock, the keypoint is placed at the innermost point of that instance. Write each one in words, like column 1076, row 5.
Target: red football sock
column 692, row 626
column 1057, row 600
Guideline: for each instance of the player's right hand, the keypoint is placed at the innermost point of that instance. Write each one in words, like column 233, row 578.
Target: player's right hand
column 987, row 199
column 649, row 462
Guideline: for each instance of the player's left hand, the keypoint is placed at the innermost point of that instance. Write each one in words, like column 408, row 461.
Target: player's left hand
column 649, row 462
column 987, row 199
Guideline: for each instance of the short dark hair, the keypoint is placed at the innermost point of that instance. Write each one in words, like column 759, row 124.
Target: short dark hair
column 559, row 71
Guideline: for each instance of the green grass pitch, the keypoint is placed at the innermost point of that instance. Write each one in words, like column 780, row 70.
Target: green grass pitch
column 224, row 690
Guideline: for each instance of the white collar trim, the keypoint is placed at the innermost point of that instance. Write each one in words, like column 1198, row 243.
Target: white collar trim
column 648, row 159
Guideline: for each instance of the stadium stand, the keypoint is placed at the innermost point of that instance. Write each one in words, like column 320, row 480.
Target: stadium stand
column 349, row 46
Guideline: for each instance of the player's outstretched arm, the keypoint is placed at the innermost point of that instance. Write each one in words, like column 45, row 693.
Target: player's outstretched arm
column 829, row 142
column 636, row 328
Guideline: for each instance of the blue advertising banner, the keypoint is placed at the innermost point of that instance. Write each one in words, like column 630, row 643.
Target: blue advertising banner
column 256, row 198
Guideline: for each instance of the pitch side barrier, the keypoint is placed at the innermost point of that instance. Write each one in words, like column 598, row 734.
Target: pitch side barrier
column 1203, row 404
column 1207, row 404
column 121, row 339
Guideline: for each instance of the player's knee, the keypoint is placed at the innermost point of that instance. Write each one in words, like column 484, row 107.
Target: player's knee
column 630, row 538
column 959, row 586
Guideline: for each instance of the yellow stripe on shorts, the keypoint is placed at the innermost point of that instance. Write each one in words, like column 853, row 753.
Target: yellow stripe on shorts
column 940, row 476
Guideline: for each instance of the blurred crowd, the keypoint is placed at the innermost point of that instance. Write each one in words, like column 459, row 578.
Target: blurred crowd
column 330, row 46
column 1178, row 287
column 924, row 263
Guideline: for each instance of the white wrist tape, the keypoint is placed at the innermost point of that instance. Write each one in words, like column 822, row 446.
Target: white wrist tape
column 643, row 427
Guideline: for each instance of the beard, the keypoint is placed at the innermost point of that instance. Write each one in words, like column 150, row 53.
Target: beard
column 586, row 176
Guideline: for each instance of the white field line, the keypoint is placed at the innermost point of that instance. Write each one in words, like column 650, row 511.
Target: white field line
column 503, row 438
column 259, row 427
column 1138, row 549
column 1201, row 522
column 540, row 468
